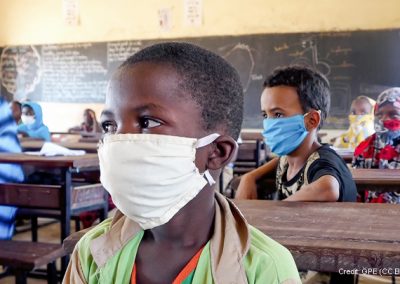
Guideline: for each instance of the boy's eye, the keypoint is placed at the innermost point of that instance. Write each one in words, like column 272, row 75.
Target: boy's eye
column 278, row 115
column 146, row 122
column 109, row 127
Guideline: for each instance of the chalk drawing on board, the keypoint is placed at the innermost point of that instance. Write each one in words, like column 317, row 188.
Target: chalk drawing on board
column 282, row 47
column 340, row 50
column 344, row 64
column 308, row 56
column 241, row 57
column 20, row 70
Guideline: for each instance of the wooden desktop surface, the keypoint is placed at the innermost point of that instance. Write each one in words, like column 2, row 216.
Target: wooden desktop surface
column 87, row 160
column 36, row 145
column 329, row 236
column 324, row 236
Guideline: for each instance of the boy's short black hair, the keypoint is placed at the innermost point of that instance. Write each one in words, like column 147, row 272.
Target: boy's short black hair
column 312, row 87
column 210, row 81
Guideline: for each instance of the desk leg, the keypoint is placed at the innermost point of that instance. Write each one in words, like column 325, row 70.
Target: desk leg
column 66, row 215
column 20, row 277
column 34, row 228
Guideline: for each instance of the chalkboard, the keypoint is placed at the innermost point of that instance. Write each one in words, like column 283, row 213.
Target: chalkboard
column 356, row 63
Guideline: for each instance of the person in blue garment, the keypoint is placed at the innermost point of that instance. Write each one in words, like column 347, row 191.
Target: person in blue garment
column 32, row 122
column 8, row 172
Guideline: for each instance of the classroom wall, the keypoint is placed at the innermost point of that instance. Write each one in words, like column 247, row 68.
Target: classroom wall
column 41, row 21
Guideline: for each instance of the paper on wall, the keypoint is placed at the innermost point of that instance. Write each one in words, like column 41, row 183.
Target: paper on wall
column 193, row 13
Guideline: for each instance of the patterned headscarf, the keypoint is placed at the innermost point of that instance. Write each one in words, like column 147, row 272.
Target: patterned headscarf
column 390, row 96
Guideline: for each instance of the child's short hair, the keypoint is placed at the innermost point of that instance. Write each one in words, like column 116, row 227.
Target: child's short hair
column 211, row 81
column 312, row 87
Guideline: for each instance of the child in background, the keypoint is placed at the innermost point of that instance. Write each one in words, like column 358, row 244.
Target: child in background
column 32, row 122
column 295, row 102
column 89, row 124
column 8, row 172
column 382, row 149
column 16, row 111
column 361, row 120
column 174, row 111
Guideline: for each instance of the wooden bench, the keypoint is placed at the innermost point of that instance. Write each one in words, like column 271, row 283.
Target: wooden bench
column 21, row 257
column 48, row 200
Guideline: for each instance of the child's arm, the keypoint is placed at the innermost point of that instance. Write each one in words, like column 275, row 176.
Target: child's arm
column 247, row 188
column 325, row 188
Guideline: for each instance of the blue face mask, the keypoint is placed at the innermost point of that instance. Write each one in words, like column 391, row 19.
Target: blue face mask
column 284, row 135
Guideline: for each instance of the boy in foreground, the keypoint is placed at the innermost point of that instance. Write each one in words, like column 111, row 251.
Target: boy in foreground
column 173, row 112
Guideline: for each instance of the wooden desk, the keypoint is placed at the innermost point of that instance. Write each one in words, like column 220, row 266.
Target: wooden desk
column 330, row 236
column 67, row 166
column 35, row 145
column 376, row 180
column 251, row 136
column 348, row 158
column 365, row 179
column 63, row 210
column 346, row 154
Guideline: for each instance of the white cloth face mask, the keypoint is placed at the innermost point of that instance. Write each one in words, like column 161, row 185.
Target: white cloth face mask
column 27, row 119
column 150, row 177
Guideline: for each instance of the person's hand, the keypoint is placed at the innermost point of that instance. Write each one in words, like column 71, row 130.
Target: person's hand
column 247, row 188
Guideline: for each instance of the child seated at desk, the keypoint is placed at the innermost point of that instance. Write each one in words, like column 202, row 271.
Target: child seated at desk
column 32, row 122
column 8, row 172
column 361, row 120
column 382, row 149
column 295, row 102
column 16, row 111
column 89, row 124
column 174, row 111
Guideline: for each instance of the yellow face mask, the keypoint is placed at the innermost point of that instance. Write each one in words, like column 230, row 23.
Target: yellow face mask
column 360, row 120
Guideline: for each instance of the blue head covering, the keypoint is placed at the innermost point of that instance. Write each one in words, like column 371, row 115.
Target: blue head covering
column 37, row 129
column 8, row 172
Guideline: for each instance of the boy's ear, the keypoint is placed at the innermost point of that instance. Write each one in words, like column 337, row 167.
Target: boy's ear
column 223, row 152
column 312, row 120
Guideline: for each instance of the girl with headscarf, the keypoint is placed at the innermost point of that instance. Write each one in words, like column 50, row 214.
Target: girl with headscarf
column 382, row 149
column 8, row 172
column 361, row 120
column 32, row 122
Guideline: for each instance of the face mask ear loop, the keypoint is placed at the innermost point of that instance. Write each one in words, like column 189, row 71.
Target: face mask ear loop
column 204, row 142
column 209, row 177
